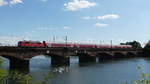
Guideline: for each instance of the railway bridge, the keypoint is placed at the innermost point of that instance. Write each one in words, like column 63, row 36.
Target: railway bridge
column 20, row 57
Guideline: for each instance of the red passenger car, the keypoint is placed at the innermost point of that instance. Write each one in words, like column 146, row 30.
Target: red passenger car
column 87, row 46
column 61, row 45
column 75, row 45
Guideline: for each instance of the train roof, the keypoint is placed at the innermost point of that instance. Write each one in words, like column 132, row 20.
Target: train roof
column 30, row 41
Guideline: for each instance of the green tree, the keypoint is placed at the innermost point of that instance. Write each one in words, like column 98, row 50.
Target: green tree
column 134, row 44
column 1, row 60
column 3, row 76
column 144, row 78
column 147, row 46
column 20, row 78
column 137, row 44
column 147, row 49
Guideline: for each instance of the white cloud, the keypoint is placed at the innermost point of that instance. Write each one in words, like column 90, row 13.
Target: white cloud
column 78, row 4
column 9, row 40
column 66, row 27
column 3, row 2
column 13, row 2
column 87, row 17
column 100, row 25
column 44, row 0
column 109, row 16
column 43, row 29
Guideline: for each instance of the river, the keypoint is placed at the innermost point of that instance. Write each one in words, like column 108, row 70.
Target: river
column 108, row 72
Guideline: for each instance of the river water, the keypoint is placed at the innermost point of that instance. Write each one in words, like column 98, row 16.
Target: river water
column 108, row 72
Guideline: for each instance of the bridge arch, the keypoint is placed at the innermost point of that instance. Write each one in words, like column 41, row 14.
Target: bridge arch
column 40, row 61
column 9, row 57
column 15, row 62
column 5, row 62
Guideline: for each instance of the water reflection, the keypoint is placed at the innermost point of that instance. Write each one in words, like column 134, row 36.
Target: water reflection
column 40, row 62
column 5, row 64
column 61, row 69
column 105, row 72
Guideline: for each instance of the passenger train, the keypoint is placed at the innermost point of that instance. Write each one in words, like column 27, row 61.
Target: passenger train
column 71, row 45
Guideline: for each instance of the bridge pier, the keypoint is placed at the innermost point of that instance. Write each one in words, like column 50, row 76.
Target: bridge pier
column 140, row 54
column 84, row 58
column 104, row 56
column 18, row 63
column 119, row 55
column 131, row 55
column 60, row 60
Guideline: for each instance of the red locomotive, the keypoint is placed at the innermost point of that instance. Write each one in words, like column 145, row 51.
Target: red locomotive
column 44, row 44
column 30, row 44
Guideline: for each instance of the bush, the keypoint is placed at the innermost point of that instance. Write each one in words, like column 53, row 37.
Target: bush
column 20, row 78
column 144, row 78
column 3, row 76
column 1, row 60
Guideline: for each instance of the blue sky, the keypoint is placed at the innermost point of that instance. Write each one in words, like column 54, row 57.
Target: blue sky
column 81, row 20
